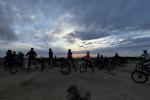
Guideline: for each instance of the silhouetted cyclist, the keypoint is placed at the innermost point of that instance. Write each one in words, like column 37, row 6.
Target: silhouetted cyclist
column 21, row 59
column 70, row 55
column 98, row 59
column 55, row 61
column 8, row 59
column 101, row 58
column 31, row 56
column 116, row 58
column 87, row 58
column 50, row 57
column 70, row 59
column 146, row 58
column 14, row 55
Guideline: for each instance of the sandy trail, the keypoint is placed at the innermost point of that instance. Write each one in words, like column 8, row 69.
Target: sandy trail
column 52, row 85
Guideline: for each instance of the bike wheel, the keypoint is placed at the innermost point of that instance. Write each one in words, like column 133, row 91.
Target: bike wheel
column 13, row 69
column 83, row 68
column 94, row 66
column 66, row 69
column 76, row 66
column 99, row 66
column 139, row 77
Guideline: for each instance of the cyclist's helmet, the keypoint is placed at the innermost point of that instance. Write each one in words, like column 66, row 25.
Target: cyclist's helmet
column 88, row 53
column 32, row 49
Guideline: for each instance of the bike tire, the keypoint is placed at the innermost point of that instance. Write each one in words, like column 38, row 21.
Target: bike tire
column 76, row 66
column 94, row 66
column 14, row 69
column 83, row 68
column 66, row 69
column 140, row 74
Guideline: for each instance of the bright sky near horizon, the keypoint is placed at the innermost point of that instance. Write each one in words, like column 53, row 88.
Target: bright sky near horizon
column 104, row 26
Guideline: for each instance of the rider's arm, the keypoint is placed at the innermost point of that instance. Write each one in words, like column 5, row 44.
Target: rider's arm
column 35, row 54
column 27, row 54
column 142, row 55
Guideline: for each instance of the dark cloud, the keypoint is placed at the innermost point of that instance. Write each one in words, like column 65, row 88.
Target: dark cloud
column 113, row 15
column 130, row 45
column 122, row 15
column 135, row 44
column 92, row 19
column 6, row 21
column 88, row 35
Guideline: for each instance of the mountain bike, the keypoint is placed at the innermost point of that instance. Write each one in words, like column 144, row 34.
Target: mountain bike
column 67, row 66
column 141, row 73
column 33, row 63
column 85, row 65
column 105, row 64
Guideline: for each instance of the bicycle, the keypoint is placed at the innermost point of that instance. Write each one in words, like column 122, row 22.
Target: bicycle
column 105, row 64
column 141, row 73
column 85, row 65
column 14, row 65
column 43, row 63
column 33, row 63
column 67, row 66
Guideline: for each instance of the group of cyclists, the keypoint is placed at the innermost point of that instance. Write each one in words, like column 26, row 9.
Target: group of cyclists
column 19, row 59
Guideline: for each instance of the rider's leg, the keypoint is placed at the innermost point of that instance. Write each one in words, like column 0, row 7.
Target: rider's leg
column 73, row 64
column 29, row 64
column 147, row 65
column 90, row 65
column 50, row 63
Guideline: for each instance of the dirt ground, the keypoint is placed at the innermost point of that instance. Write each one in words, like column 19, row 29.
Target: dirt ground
column 52, row 85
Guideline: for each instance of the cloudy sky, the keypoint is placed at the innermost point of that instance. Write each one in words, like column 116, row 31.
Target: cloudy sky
column 104, row 26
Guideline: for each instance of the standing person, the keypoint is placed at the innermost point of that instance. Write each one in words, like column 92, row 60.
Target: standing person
column 31, row 56
column 50, row 57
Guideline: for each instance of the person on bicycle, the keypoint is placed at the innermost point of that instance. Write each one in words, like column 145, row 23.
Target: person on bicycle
column 70, row 59
column 55, row 61
column 8, row 59
column 116, row 58
column 50, row 57
column 146, row 58
column 14, row 55
column 87, row 58
column 98, row 58
column 21, row 59
column 31, row 56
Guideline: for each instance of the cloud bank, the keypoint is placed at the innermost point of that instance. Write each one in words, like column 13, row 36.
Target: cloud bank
column 83, row 25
